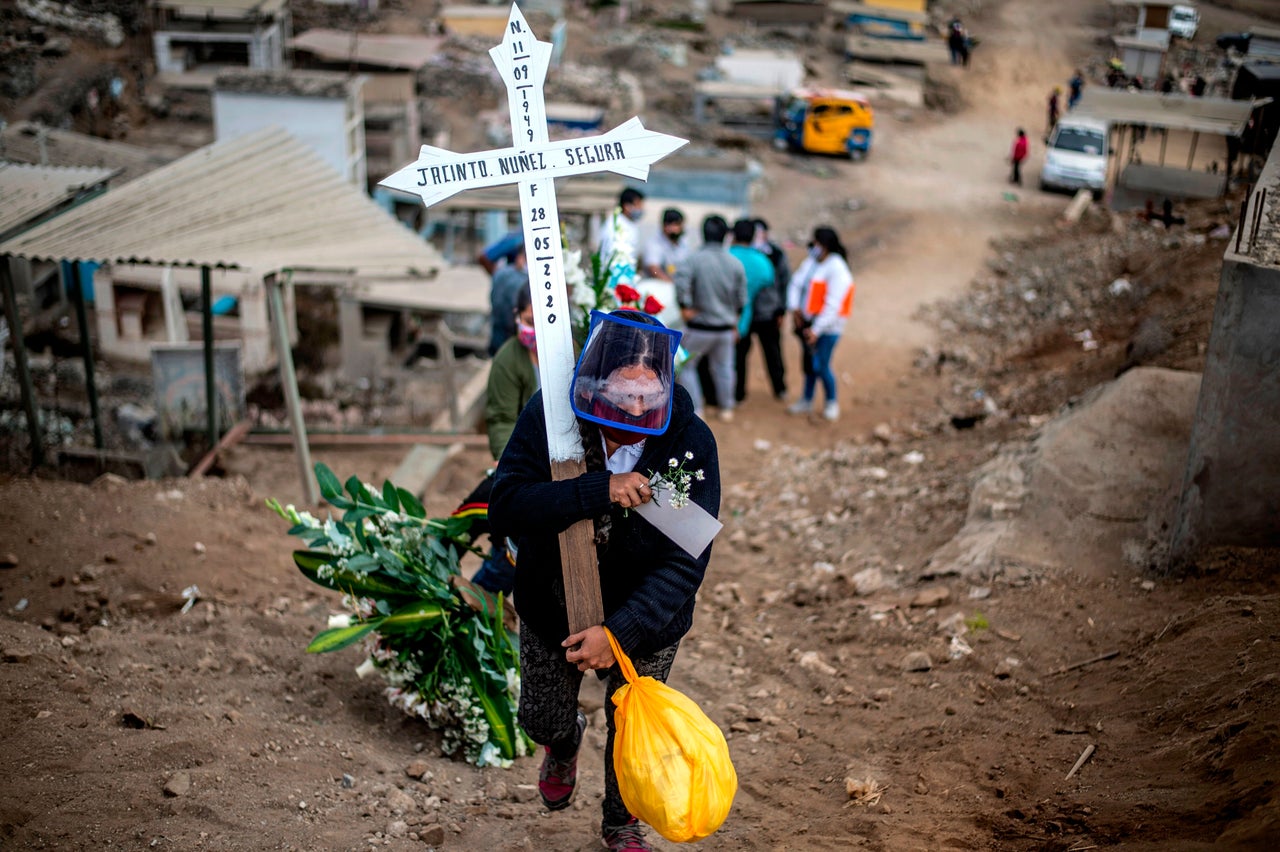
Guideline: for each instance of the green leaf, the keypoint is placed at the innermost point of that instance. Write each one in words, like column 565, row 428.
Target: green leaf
column 330, row 487
column 494, row 701
column 358, row 492
column 309, row 563
column 390, row 497
column 357, row 514
column 416, row 616
column 337, row 638
column 411, row 505
column 274, row 505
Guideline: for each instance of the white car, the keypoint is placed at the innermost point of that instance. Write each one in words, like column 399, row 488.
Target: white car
column 1184, row 21
column 1077, row 156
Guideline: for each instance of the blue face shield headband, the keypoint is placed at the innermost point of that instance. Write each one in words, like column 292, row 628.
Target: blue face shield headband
column 626, row 375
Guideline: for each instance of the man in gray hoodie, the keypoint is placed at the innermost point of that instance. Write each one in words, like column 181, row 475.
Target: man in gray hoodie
column 711, row 288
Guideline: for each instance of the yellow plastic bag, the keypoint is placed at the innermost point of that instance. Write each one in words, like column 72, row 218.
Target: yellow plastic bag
column 672, row 762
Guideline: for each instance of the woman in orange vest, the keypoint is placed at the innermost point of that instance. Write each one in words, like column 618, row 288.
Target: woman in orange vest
column 820, row 299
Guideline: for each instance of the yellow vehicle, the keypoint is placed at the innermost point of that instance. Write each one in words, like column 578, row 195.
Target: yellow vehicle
column 825, row 121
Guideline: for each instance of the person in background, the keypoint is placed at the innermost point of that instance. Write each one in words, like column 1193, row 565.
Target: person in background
column 633, row 420
column 782, row 279
column 1076, row 87
column 821, row 299
column 508, row 280
column 1017, row 156
column 513, row 377
column 711, row 289
column 957, row 42
column 629, row 211
column 1053, row 112
column 667, row 249
column 759, row 315
column 513, row 380
column 500, row 251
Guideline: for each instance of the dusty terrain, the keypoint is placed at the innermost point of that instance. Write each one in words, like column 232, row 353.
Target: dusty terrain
column 131, row 724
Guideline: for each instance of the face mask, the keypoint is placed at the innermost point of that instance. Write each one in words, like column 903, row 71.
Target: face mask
column 524, row 333
column 635, row 214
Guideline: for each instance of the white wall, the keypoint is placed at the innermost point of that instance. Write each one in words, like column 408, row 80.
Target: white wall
column 321, row 123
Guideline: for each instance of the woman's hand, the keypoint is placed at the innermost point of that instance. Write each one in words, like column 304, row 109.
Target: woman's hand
column 629, row 490
column 589, row 649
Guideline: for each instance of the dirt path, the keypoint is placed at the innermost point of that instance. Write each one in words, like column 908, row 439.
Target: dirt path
column 918, row 216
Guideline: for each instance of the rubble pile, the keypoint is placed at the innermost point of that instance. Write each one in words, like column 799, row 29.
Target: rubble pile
column 1077, row 283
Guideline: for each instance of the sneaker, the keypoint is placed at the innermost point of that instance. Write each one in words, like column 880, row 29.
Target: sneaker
column 800, row 406
column 726, row 415
column 628, row 836
column 557, row 778
column 831, row 411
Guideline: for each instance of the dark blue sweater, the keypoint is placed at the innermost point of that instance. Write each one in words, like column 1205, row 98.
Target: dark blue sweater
column 647, row 583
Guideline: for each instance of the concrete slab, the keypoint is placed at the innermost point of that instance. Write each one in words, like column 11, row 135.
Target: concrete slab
column 421, row 465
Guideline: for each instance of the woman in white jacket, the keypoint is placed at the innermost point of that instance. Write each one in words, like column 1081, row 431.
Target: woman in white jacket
column 820, row 299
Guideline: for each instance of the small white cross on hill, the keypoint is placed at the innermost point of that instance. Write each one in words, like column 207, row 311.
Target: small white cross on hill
column 532, row 163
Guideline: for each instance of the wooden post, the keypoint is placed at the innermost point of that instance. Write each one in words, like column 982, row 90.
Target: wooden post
column 91, row 383
column 18, row 340
column 210, row 377
column 289, row 384
column 532, row 163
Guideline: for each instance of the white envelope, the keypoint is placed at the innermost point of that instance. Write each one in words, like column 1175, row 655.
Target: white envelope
column 691, row 526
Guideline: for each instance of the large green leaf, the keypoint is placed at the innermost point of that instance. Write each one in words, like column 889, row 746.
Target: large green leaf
column 340, row 637
column 309, row 563
column 411, row 618
column 390, row 497
column 330, row 485
column 411, row 505
column 492, row 696
column 358, row 492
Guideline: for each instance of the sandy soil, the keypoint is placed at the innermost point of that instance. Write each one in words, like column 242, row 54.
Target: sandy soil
column 129, row 724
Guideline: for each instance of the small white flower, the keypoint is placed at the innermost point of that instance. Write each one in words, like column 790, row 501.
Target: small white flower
column 336, row 621
column 366, row 668
column 672, row 463
column 688, row 455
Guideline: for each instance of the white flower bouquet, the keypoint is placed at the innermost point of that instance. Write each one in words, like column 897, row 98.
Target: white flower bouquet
column 453, row 664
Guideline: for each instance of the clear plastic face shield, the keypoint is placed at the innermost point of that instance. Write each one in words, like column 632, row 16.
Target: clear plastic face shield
column 625, row 377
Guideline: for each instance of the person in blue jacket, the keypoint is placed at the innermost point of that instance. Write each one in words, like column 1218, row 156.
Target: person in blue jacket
column 634, row 421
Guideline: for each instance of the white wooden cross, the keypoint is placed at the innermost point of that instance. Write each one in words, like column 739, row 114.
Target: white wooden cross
column 532, row 163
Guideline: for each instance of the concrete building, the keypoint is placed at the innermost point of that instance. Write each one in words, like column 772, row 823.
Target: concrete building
column 324, row 109
column 191, row 35
column 393, row 65
column 1143, row 56
column 1231, row 489
column 1152, row 17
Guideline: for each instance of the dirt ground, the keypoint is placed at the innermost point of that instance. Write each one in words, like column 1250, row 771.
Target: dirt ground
column 129, row 723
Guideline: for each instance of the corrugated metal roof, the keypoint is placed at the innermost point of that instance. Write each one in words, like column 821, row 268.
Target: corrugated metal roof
column 386, row 51
column 1219, row 116
column 22, row 142
column 263, row 201
column 29, row 192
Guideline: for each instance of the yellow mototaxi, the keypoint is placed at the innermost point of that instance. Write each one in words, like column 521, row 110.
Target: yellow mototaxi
column 825, row 121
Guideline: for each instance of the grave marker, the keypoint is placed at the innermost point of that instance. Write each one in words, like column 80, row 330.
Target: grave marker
column 532, row 163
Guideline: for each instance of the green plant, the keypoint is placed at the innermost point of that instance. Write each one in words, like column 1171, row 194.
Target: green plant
column 449, row 661
column 977, row 622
